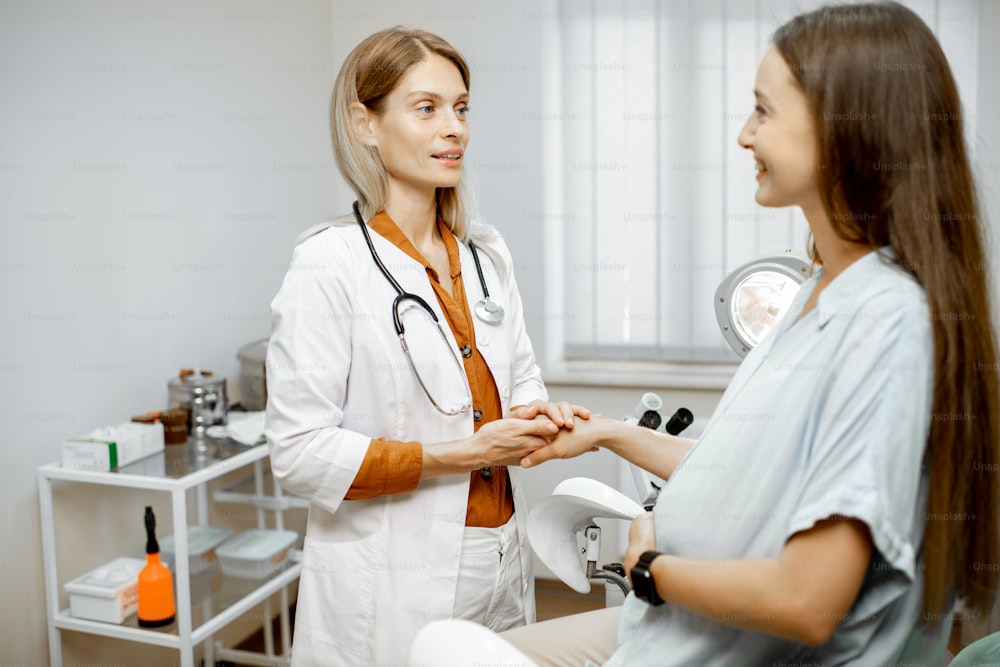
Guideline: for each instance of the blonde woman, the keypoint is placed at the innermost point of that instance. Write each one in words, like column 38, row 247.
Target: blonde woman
column 401, row 381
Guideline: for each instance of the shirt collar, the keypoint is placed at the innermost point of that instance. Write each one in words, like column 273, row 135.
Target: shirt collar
column 388, row 228
column 840, row 295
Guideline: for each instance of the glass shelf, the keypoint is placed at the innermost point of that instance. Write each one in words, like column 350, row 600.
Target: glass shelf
column 177, row 466
column 217, row 600
column 243, row 491
column 197, row 454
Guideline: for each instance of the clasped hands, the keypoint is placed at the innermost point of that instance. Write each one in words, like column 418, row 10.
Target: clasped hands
column 538, row 432
column 565, row 431
column 579, row 431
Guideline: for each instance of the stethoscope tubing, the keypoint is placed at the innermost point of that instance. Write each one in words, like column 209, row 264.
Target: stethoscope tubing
column 402, row 294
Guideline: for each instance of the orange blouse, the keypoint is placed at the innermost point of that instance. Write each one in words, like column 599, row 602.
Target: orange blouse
column 394, row 466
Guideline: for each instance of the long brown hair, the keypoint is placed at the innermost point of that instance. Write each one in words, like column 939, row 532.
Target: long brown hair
column 370, row 72
column 894, row 172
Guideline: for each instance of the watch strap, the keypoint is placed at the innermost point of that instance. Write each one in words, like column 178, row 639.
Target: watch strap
column 642, row 579
column 647, row 557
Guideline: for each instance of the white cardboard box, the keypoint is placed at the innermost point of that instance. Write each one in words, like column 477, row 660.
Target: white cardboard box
column 108, row 593
column 111, row 447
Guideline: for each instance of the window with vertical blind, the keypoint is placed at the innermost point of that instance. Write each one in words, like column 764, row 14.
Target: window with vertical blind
column 651, row 198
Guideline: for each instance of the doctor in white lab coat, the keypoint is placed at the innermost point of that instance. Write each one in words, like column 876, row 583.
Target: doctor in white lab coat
column 344, row 401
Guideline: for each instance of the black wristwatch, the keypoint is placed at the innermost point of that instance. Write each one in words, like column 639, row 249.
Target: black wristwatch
column 642, row 579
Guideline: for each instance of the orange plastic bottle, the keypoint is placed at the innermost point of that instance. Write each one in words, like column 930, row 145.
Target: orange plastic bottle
column 156, row 584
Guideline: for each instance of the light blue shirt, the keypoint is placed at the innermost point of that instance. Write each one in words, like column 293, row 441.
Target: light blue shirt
column 828, row 416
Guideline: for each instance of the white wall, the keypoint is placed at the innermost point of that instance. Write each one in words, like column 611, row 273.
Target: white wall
column 986, row 153
column 155, row 163
column 987, row 147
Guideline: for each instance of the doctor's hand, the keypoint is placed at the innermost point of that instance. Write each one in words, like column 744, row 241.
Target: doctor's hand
column 641, row 538
column 561, row 414
column 507, row 441
column 500, row 442
column 586, row 436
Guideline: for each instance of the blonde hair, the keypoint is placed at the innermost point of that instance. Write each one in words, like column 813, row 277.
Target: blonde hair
column 371, row 71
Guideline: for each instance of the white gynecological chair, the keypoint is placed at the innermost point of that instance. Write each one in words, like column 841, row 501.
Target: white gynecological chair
column 554, row 524
column 748, row 303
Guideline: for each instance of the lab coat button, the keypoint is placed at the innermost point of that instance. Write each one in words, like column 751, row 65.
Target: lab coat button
column 484, row 341
column 466, row 351
column 477, row 415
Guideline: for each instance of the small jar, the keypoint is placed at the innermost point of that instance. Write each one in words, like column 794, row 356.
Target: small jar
column 175, row 424
column 203, row 396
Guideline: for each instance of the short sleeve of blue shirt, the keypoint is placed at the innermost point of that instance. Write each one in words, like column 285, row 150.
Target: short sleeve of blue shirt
column 864, row 457
column 827, row 418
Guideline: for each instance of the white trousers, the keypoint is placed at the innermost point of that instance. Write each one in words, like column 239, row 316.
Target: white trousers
column 489, row 578
column 571, row 641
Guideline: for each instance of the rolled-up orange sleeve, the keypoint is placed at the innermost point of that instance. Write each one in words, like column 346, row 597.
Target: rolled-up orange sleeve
column 390, row 466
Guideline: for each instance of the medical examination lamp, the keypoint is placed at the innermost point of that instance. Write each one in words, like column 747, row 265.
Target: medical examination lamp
column 754, row 297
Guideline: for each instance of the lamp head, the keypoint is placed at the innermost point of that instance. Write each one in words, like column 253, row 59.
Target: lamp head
column 751, row 300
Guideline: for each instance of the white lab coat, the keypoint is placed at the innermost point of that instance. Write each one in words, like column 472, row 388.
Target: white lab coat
column 375, row 571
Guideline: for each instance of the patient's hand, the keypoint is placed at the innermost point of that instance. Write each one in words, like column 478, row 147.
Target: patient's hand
column 561, row 414
column 641, row 538
column 585, row 436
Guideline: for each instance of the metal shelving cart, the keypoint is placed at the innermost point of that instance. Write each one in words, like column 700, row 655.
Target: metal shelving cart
column 178, row 470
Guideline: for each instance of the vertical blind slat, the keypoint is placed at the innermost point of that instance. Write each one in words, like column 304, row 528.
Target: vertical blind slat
column 658, row 198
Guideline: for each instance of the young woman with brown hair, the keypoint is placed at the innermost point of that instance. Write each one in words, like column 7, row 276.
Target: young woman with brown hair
column 902, row 180
column 844, row 494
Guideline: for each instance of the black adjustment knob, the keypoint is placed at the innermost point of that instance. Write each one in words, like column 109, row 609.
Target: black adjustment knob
column 679, row 421
column 617, row 568
column 651, row 419
column 477, row 415
column 466, row 351
column 486, row 473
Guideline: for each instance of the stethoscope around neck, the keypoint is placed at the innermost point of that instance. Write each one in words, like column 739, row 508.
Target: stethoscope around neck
column 486, row 309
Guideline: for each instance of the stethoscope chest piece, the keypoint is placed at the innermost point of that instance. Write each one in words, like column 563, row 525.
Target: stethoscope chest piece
column 486, row 309
column 489, row 310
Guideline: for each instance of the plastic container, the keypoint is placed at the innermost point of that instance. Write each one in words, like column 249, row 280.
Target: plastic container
column 202, row 543
column 107, row 593
column 254, row 554
column 253, row 385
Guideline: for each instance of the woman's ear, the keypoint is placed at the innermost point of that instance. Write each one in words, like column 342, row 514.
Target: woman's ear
column 363, row 123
